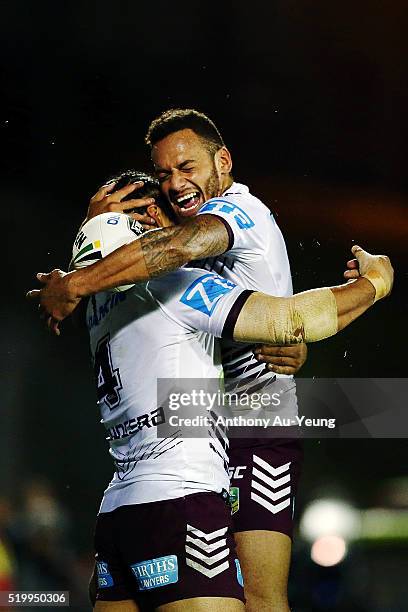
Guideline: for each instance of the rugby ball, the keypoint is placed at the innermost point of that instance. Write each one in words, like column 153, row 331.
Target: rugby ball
column 102, row 235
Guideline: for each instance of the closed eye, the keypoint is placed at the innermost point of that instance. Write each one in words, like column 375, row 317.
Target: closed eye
column 162, row 176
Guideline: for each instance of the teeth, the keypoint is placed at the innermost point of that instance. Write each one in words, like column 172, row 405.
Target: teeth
column 187, row 196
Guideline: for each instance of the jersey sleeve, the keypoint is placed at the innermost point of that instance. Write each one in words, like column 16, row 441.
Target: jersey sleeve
column 243, row 220
column 200, row 301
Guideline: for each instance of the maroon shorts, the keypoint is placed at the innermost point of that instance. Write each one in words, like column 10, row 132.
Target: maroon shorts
column 264, row 479
column 165, row 551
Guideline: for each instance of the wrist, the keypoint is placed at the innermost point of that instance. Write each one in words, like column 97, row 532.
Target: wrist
column 369, row 287
column 75, row 284
column 378, row 283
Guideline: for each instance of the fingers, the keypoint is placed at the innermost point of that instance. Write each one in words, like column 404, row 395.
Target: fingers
column 287, row 370
column 353, row 270
column 377, row 269
column 127, row 208
column 43, row 277
column 351, row 274
column 363, row 258
column 269, row 350
column 279, row 364
column 355, row 249
column 103, row 191
column 280, row 361
column 123, row 207
column 147, row 221
column 106, row 190
column 33, row 295
column 129, row 205
column 126, row 190
column 53, row 326
column 105, row 201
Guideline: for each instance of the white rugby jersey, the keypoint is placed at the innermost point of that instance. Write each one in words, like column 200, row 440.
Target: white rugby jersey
column 159, row 329
column 256, row 259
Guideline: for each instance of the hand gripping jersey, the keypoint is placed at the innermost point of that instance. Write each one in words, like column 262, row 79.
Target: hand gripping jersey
column 158, row 329
column 256, row 259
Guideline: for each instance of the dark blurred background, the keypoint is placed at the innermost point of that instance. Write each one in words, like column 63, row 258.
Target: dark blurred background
column 311, row 98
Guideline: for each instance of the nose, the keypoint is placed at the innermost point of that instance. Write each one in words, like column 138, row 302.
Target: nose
column 177, row 181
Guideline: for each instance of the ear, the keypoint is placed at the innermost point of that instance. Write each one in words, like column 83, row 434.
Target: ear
column 223, row 162
column 154, row 211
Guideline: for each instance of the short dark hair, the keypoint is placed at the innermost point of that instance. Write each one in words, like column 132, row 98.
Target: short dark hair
column 176, row 119
column 150, row 189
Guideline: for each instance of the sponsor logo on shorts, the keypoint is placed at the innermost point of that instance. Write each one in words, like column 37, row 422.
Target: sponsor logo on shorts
column 156, row 572
column 270, row 484
column 236, row 472
column 207, row 553
column 104, row 577
column 234, row 499
column 239, row 573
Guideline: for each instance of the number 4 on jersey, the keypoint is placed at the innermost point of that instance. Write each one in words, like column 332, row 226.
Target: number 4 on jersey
column 108, row 383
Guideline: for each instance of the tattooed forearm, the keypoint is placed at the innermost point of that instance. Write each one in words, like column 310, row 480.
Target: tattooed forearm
column 172, row 247
column 155, row 253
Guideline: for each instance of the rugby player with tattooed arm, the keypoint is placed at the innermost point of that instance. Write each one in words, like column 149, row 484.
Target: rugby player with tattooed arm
column 232, row 233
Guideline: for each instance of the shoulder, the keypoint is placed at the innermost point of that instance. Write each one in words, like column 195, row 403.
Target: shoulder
column 240, row 193
column 247, row 217
column 236, row 200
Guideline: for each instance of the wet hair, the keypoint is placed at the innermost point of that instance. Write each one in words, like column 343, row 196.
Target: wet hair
column 176, row 119
column 150, row 189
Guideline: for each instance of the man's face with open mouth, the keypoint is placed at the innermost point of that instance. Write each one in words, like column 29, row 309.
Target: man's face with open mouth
column 186, row 172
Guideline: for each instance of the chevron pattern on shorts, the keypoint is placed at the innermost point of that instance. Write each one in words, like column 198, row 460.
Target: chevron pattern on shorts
column 267, row 482
column 207, row 552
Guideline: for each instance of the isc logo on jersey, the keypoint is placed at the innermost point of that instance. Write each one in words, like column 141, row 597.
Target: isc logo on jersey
column 102, row 235
column 205, row 292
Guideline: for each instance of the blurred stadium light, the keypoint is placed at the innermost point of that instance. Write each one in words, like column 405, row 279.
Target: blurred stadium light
column 384, row 524
column 330, row 517
column 328, row 550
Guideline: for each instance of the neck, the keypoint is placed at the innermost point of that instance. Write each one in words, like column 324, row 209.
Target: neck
column 226, row 184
